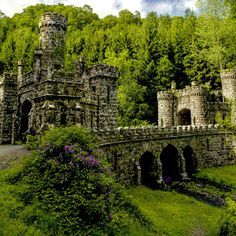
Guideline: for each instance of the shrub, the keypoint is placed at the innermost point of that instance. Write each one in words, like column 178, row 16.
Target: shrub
column 70, row 178
column 228, row 224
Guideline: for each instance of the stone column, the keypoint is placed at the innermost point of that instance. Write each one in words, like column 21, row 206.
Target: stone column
column 137, row 173
column 159, row 172
column 183, row 173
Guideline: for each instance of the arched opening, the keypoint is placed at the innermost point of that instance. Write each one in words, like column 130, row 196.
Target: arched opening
column 184, row 117
column 190, row 161
column 63, row 119
column 170, row 162
column 148, row 170
column 25, row 110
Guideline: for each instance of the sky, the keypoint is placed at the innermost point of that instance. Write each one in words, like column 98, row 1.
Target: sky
column 108, row 7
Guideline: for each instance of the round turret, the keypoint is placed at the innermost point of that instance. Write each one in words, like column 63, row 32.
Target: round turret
column 165, row 101
column 52, row 39
column 228, row 81
column 198, row 105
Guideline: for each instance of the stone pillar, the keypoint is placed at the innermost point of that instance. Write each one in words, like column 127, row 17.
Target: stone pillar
column 183, row 173
column 137, row 173
column 20, row 73
column 159, row 172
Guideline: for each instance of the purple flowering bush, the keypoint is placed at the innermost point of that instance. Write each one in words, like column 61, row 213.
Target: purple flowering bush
column 70, row 178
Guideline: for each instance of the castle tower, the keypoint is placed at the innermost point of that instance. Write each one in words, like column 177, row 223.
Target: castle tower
column 166, row 109
column 52, row 39
column 103, row 84
column 228, row 81
column 198, row 105
column 8, row 91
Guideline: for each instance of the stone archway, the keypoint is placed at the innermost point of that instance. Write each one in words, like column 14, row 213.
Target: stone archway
column 184, row 117
column 24, row 121
column 170, row 162
column 190, row 161
column 148, row 170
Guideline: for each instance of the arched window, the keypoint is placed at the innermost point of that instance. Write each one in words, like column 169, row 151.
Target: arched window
column 25, row 110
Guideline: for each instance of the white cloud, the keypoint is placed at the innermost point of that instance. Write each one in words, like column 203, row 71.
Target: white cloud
column 105, row 7
column 161, row 7
column 190, row 4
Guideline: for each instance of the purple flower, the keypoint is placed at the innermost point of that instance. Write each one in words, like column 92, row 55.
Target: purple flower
column 68, row 149
column 89, row 160
column 71, row 163
column 167, row 179
column 110, row 217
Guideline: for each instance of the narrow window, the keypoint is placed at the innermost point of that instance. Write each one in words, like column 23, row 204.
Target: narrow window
column 63, row 119
column 108, row 95
column 81, row 118
column 207, row 143
column 91, row 119
column 222, row 144
column 194, row 120
column 161, row 122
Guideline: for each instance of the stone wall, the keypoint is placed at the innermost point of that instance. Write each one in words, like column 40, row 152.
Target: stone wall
column 125, row 147
column 7, row 107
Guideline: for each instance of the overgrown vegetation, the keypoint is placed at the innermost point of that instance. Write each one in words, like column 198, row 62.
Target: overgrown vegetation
column 67, row 188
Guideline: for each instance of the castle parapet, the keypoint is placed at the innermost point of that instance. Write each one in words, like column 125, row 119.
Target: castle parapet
column 103, row 70
column 50, row 18
column 132, row 134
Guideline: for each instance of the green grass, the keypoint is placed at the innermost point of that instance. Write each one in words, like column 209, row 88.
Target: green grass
column 175, row 214
column 222, row 175
column 170, row 213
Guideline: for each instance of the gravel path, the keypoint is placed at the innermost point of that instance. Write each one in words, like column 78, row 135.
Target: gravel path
column 9, row 153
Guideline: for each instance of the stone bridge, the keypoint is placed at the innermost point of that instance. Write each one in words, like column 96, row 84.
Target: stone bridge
column 147, row 155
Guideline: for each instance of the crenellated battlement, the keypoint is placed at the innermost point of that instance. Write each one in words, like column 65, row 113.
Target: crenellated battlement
column 130, row 134
column 50, row 18
column 7, row 78
column 103, row 70
column 231, row 74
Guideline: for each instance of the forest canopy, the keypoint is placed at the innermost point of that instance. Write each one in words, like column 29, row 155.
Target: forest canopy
column 150, row 52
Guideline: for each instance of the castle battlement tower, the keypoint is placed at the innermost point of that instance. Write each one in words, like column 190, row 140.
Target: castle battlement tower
column 52, row 39
column 198, row 105
column 228, row 81
column 166, row 108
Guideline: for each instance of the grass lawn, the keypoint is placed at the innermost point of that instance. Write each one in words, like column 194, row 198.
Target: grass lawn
column 175, row 214
column 223, row 175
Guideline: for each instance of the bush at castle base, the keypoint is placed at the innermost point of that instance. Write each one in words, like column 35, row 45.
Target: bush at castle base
column 69, row 178
column 228, row 224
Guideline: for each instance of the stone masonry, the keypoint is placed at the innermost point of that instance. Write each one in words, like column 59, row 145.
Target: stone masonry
column 49, row 96
column 185, row 139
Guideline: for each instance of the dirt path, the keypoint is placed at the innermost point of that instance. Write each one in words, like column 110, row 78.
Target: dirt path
column 9, row 153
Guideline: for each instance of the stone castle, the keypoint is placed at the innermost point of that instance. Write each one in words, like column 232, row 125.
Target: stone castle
column 194, row 105
column 47, row 95
column 187, row 137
